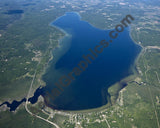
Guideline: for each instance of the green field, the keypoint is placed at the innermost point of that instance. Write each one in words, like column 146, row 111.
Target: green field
column 26, row 43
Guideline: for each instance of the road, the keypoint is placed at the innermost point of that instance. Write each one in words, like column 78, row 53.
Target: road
column 147, row 69
column 27, row 102
column 157, row 77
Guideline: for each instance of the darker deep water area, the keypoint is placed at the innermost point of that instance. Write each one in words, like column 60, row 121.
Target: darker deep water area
column 11, row 12
column 89, row 89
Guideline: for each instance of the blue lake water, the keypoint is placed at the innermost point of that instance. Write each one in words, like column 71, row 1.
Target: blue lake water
column 89, row 89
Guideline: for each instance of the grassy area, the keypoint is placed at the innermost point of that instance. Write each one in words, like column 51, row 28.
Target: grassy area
column 23, row 44
column 27, row 39
column 21, row 119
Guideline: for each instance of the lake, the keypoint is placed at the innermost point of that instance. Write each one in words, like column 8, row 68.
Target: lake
column 89, row 89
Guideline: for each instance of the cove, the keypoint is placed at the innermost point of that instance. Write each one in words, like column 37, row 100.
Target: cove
column 89, row 90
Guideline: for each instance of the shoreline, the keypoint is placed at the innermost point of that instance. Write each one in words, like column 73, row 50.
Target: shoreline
column 127, row 78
